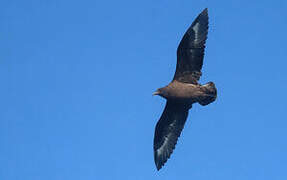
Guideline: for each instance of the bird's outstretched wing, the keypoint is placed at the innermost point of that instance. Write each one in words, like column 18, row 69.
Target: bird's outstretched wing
column 190, row 51
column 167, row 131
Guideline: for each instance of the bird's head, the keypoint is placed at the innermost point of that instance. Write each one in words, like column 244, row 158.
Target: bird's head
column 161, row 92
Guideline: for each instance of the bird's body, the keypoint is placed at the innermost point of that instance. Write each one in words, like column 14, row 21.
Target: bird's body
column 184, row 90
column 187, row 92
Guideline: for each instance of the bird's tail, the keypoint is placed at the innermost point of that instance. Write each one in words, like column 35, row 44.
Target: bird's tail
column 210, row 94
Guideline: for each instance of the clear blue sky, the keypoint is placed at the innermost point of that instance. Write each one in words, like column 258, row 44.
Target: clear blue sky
column 77, row 78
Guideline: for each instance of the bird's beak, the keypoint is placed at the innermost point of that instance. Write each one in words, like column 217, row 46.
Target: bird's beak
column 155, row 93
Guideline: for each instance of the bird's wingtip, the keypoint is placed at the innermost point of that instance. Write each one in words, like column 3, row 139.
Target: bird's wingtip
column 205, row 11
column 159, row 162
column 159, row 166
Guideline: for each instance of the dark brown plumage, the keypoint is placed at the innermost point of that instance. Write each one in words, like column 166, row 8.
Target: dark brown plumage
column 184, row 90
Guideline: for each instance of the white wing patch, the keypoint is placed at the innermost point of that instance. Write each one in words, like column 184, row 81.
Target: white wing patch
column 196, row 29
column 164, row 147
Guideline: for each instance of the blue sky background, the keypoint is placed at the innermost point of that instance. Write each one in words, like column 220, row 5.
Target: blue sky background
column 77, row 78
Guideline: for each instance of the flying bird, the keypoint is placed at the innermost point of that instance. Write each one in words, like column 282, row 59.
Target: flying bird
column 184, row 90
